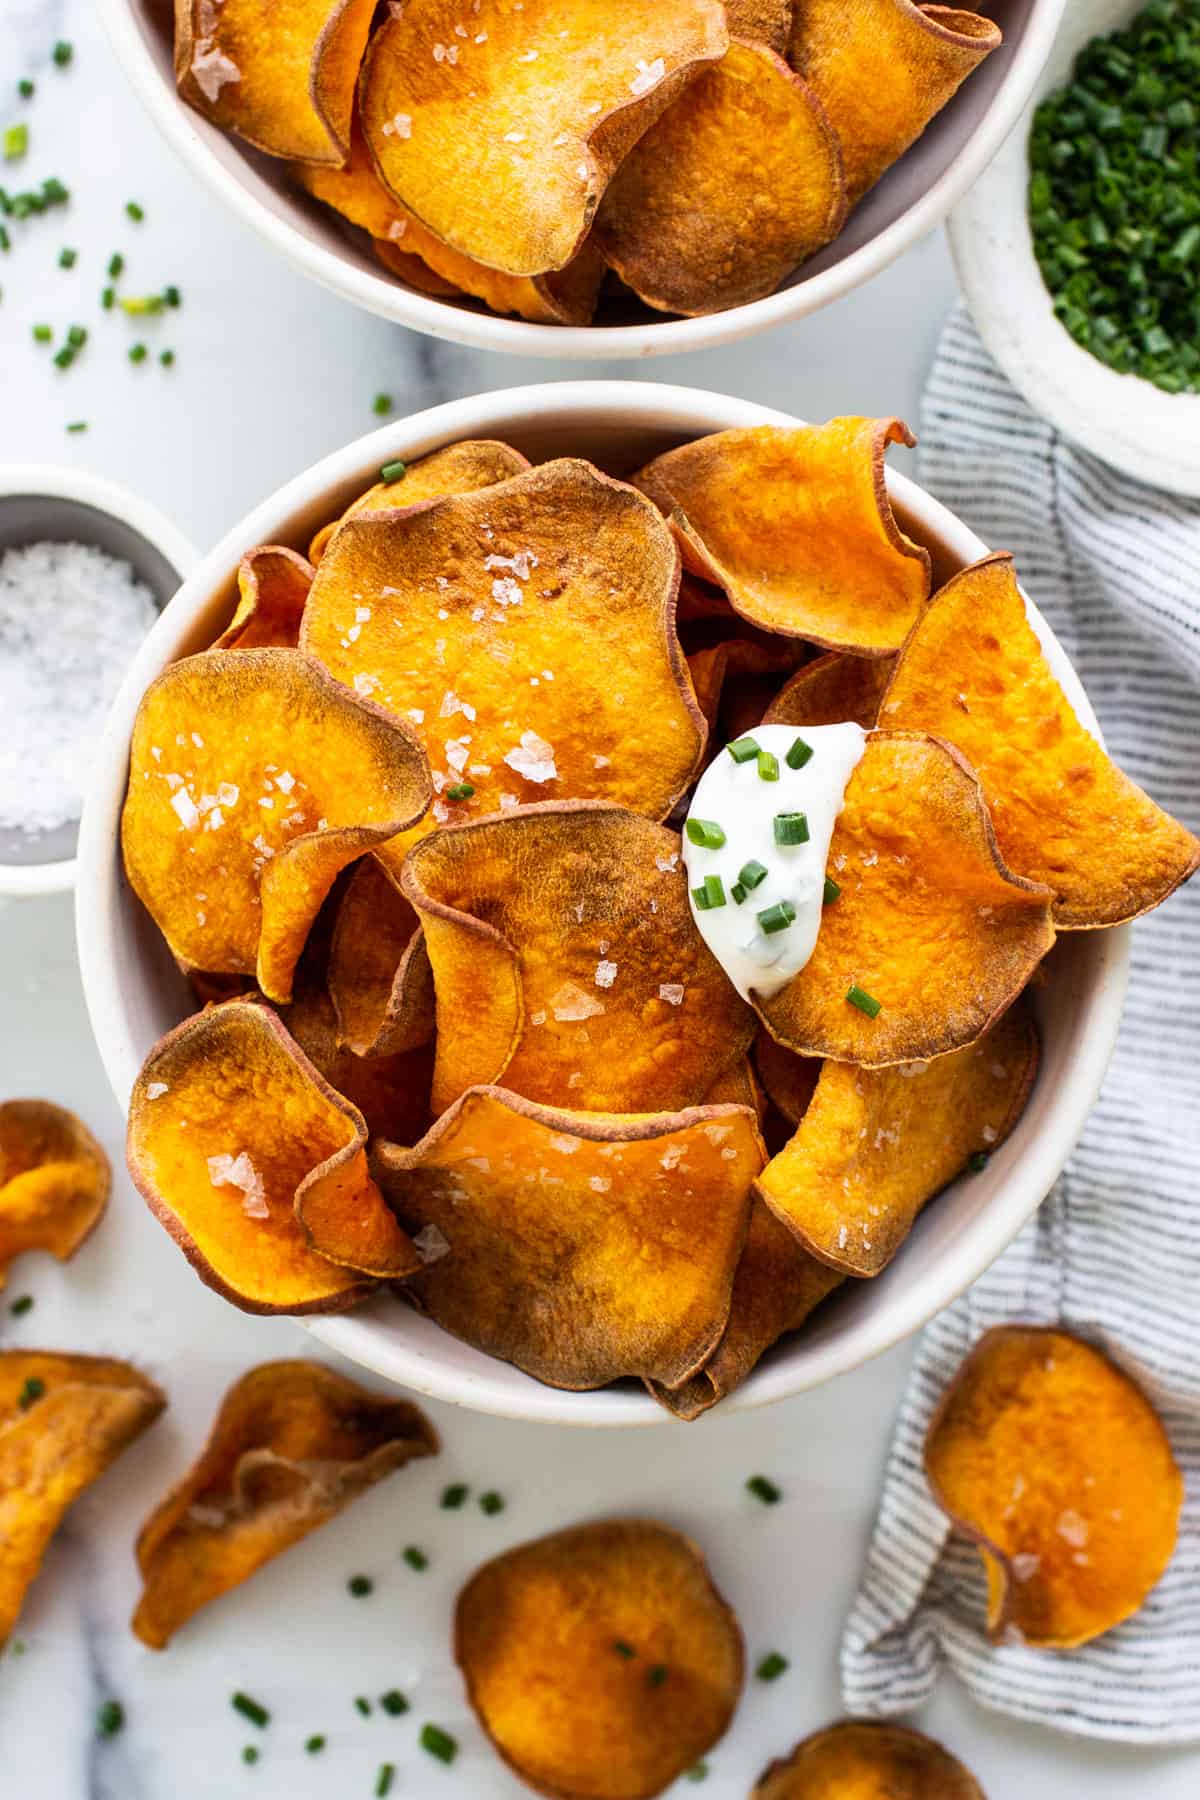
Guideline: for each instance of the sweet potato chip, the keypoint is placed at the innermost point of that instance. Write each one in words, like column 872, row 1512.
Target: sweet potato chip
column 502, row 136
column 796, row 525
column 1055, row 1463
column 866, row 1759
column 282, row 78
column 776, row 1287
column 273, row 585
column 414, row 270
column 254, row 779
column 527, row 633
column 931, row 937
column 736, row 185
column 580, row 1246
column 292, row 1445
column 728, row 660
column 761, row 22
column 380, row 981
column 567, row 964
column 63, row 1420
column 249, row 1159
column 458, row 469
column 390, row 1091
column 974, row 673
column 601, row 1661
column 738, row 1087
column 874, row 1145
column 831, row 689
column 54, row 1181
column 790, row 1080
column 882, row 69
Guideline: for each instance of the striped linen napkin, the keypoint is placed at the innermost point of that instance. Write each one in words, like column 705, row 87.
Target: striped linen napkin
column 1115, row 1251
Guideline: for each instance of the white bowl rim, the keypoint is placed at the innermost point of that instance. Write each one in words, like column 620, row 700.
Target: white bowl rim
column 518, row 337
column 503, row 1391
column 54, row 482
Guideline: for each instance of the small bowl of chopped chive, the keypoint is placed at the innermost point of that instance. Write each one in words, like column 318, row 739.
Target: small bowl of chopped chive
column 1079, row 250
column 85, row 569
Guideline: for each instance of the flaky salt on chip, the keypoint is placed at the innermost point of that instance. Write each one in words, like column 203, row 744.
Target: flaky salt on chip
column 601, row 1661
column 251, row 1161
column 777, row 1287
column 796, row 525
column 293, row 1444
column 865, row 1759
column 833, row 688
column 380, row 980
column 567, row 964
column 973, row 672
column 458, row 469
column 1054, row 1462
column 54, row 1181
column 63, row 1420
column 930, row 937
column 790, row 1080
column 273, row 584
column 501, row 137
column 874, row 1145
column 736, row 185
column 282, row 78
column 580, row 1246
column 254, row 779
column 883, row 69
column 526, row 632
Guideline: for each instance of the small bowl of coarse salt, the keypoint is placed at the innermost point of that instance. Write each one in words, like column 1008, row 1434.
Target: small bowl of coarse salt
column 85, row 569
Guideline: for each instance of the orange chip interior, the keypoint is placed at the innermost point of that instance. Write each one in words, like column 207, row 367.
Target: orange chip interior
column 833, row 688
column 273, row 584
column 457, row 469
column 1054, row 1461
column 379, row 976
column 601, row 1660
column 54, row 1181
column 796, row 525
column 867, row 1759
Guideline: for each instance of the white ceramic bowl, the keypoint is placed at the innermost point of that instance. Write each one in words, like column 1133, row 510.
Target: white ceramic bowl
column 39, row 503
column 134, row 993
column 911, row 199
column 1121, row 419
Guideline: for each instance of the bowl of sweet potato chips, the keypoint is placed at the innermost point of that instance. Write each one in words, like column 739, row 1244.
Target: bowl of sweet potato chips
column 399, row 906
column 586, row 178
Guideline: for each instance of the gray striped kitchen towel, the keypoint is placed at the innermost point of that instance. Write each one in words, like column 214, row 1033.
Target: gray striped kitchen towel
column 1115, row 1251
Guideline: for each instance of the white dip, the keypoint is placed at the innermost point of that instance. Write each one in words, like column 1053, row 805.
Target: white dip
column 734, row 796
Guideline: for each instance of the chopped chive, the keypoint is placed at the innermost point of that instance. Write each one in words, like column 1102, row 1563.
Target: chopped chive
column 439, row 1743
column 137, row 306
column 832, row 891
column 5, row 240
column 763, row 1489
column 315, row 1744
column 454, row 1496
column 67, row 257
column 109, row 1719
column 393, row 1703
column 710, row 894
column 77, row 336
column 491, row 1502
column 32, row 1391
column 777, row 918
column 137, row 353
column 697, row 1772
column 64, row 358
column 53, row 191
column 63, row 52
column 250, row 1754
column 752, row 874
column 25, row 89
column 799, row 754
column 167, row 358
column 108, row 298
column 978, row 1161
column 768, row 766
column 363, row 1705
column 393, row 471
column 791, row 828
column 387, row 1774
column 866, row 1003
column 116, row 264
column 16, row 142
column 706, row 833
column 172, row 295
column 360, row 1586
column 250, row 1709
column 77, row 425
column 462, row 790
column 42, row 334
column 656, row 1675
column 624, row 1649
column 772, row 1666
column 134, row 211
column 416, row 1559
column 381, row 405
column 743, row 750
column 22, row 1305
column 737, row 893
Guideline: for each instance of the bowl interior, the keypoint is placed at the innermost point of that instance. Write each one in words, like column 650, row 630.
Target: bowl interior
column 135, row 993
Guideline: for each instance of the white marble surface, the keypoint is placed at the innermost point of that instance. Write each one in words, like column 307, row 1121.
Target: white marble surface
column 271, row 374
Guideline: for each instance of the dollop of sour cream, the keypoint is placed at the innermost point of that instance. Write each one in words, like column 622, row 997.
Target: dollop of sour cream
column 735, row 797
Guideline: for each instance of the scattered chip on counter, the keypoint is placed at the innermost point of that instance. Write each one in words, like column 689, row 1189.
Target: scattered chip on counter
column 867, row 1759
column 54, row 1181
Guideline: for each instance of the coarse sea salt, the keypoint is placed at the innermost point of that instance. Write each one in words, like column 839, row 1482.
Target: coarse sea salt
column 71, row 620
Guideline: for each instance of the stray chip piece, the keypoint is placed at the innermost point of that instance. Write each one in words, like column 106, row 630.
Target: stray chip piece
column 273, row 585
column 833, row 688
column 249, row 1158
column 931, row 937
column 974, row 673
column 458, row 469
column 790, row 1080
column 380, row 981
column 882, row 69
column 504, row 143
column 874, row 1145
column 254, row 779
column 601, row 1660
column 293, row 1444
column 581, row 1247
column 567, row 964
column 527, row 633
column 285, row 82
column 54, row 1181
column 796, row 525
column 866, row 1759
column 736, row 185
column 1054, row 1462
column 63, row 1420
